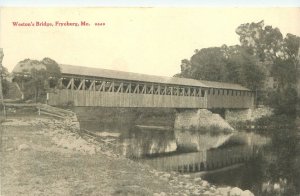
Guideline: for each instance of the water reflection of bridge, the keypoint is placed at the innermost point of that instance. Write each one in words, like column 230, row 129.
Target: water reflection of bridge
column 203, row 160
column 188, row 151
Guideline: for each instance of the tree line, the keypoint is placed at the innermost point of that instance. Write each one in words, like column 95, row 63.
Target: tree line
column 264, row 61
column 35, row 78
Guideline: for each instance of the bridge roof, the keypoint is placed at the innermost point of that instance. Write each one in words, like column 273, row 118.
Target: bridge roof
column 224, row 85
column 130, row 76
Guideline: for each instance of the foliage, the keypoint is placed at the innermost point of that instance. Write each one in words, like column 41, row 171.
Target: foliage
column 285, row 72
column 263, row 42
column 244, row 69
column 263, row 56
column 284, row 97
column 224, row 64
column 36, row 77
column 284, row 101
column 276, row 120
column 5, row 84
column 5, row 87
column 291, row 44
column 207, row 64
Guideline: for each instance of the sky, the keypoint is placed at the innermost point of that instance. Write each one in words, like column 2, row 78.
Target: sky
column 156, row 3
column 142, row 40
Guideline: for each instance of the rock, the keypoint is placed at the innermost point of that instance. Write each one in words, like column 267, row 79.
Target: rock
column 164, row 178
column 9, row 149
column 188, row 186
column 236, row 191
column 212, row 189
column 159, row 194
column 166, row 175
column 23, row 147
column 202, row 118
column 206, row 193
column 247, row 193
column 197, row 179
column 197, row 192
column 156, row 173
column 205, row 183
column 172, row 182
column 224, row 191
column 187, row 176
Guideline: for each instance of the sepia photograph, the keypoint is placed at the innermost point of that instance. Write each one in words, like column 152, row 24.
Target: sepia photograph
column 156, row 101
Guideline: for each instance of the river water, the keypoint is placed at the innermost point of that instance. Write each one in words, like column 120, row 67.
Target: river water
column 265, row 164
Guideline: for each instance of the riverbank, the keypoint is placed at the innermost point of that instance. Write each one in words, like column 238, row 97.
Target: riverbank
column 45, row 156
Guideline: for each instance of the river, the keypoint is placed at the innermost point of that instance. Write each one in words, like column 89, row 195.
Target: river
column 265, row 164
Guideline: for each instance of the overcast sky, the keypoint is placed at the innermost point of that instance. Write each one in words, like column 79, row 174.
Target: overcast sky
column 142, row 40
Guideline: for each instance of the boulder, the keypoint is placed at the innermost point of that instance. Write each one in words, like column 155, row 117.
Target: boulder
column 205, row 183
column 23, row 147
column 197, row 179
column 236, row 191
column 247, row 193
column 224, row 191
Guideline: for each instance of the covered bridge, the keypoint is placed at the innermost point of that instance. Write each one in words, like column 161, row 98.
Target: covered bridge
column 85, row 86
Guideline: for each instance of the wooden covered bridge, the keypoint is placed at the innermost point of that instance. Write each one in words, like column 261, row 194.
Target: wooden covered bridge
column 83, row 86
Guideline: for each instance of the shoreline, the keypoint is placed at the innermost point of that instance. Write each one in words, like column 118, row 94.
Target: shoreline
column 65, row 139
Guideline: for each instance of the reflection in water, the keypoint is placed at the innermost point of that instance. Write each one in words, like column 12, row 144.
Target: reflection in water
column 199, row 141
column 140, row 142
column 247, row 138
column 188, row 151
column 202, row 160
column 274, row 171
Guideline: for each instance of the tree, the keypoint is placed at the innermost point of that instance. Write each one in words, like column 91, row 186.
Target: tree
column 4, row 74
column 291, row 45
column 243, row 68
column 265, row 42
column 224, row 64
column 208, row 64
column 3, row 82
column 284, row 97
column 279, row 59
column 36, row 77
column 263, row 56
column 185, row 68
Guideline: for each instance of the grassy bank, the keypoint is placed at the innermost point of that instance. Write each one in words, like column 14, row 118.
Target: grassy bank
column 41, row 156
column 32, row 164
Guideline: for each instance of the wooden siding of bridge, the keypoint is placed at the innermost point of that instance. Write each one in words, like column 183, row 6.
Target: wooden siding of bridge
column 117, row 99
column 230, row 101
column 120, row 93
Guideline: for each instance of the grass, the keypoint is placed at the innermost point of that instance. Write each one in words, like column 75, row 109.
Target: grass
column 46, row 169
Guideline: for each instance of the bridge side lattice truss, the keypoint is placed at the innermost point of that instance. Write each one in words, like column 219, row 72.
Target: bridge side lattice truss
column 107, row 92
column 118, row 86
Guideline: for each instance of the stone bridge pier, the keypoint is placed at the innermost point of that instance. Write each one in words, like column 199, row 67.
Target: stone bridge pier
column 200, row 120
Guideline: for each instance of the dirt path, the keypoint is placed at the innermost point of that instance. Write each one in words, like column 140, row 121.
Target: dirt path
column 40, row 156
